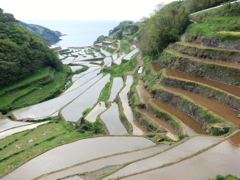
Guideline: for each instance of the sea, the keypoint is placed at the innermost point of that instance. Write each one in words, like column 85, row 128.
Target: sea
column 77, row 33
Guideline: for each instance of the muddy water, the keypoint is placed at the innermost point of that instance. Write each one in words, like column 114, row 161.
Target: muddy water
column 99, row 108
column 213, row 105
column 117, row 85
column 76, row 152
column 82, row 80
column 192, row 127
column 107, row 61
column 143, row 93
column 131, row 54
column 112, row 121
column 6, row 123
column 73, row 111
column 187, row 148
column 156, row 67
column 228, row 88
column 19, row 129
column 221, row 159
column 127, row 109
column 113, row 160
column 47, row 108
column 161, row 123
column 118, row 61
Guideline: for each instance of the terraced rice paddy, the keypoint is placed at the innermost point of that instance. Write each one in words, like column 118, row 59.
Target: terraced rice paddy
column 6, row 124
column 73, row 111
column 131, row 54
column 116, row 86
column 221, row 159
column 100, row 163
column 98, row 109
column 111, row 119
column 127, row 110
column 76, row 152
column 189, row 147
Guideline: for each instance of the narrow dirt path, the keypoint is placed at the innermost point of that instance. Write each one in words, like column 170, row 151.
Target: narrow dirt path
column 232, row 65
column 225, row 87
column 140, row 63
column 213, row 105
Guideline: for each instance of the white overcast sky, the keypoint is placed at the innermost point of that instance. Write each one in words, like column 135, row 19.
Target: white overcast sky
column 80, row 9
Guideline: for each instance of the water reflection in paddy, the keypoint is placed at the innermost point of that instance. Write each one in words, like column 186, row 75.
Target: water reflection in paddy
column 105, row 52
column 84, row 79
column 99, row 108
column 118, row 61
column 49, row 107
column 221, row 159
column 117, row 85
column 131, row 54
column 127, row 109
column 112, row 121
column 186, row 148
column 112, row 160
column 76, row 152
column 108, row 61
column 73, row 111
column 114, row 56
column 68, row 60
column 75, row 68
column 6, row 123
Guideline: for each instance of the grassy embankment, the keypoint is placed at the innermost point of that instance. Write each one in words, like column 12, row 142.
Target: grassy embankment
column 45, row 84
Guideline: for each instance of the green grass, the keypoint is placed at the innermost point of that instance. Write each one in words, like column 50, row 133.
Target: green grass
column 213, row 30
column 105, row 92
column 45, row 92
column 40, row 74
column 118, row 71
column 44, row 137
column 126, row 46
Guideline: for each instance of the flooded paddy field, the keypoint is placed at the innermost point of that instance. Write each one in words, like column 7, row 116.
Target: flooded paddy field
column 118, row 61
column 6, row 124
column 116, row 86
column 127, row 109
column 73, row 111
column 107, row 161
column 131, row 54
column 186, row 148
column 76, row 152
column 221, row 159
column 98, row 109
column 19, row 129
column 111, row 118
column 47, row 108
column 192, row 127
column 107, row 61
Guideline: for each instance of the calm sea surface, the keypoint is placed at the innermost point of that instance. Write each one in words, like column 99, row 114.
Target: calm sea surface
column 79, row 32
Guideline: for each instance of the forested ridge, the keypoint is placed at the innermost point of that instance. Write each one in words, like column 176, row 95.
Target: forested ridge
column 21, row 52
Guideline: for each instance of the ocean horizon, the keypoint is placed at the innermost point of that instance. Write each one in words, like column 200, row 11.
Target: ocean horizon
column 78, row 32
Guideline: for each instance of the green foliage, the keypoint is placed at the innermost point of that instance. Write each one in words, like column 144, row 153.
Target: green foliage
column 105, row 92
column 195, row 6
column 227, row 177
column 86, row 111
column 100, row 39
column 162, row 28
column 21, row 52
